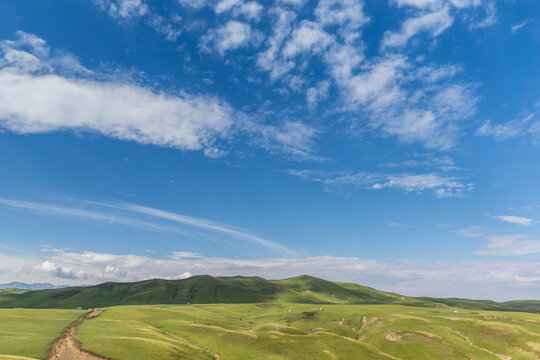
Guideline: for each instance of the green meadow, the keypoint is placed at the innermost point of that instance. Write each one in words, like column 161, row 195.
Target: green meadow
column 29, row 333
column 308, row 331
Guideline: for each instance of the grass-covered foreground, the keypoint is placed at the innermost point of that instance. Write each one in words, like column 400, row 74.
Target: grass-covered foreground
column 296, row 331
column 28, row 333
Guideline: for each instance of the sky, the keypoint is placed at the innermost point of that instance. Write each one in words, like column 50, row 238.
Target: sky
column 391, row 143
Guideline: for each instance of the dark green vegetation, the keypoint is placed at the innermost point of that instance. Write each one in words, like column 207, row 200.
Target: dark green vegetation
column 28, row 333
column 227, row 290
column 11, row 291
column 310, row 332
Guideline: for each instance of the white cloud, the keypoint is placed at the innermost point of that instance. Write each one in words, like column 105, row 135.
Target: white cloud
column 442, row 185
column 384, row 91
column 128, row 11
column 124, row 9
column 508, row 245
column 225, row 5
column 231, row 36
column 511, row 129
column 307, row 37
column 518, row 26
column 296, row 3
column 502, row 244
column 497, row 280
column 434, row 23
column 195, row 4
column 46, row 103
column 435, row 4
column 490, row 16
column 317, row 94
column 270, row 59
column 472, row 231
column 40, row 93
column 347, row 14
column 60, row 272
column 292, row 139
column 250, row 9
column 34, row 99
column 515, row 219
column 143, row 217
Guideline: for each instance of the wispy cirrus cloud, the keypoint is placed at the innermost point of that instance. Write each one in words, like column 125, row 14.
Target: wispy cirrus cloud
column 509, row 245
column 435, row 23
column 528, row 125
column 518, row 26
column 127, row 11
column 441, row 185
column 143, row 217
column 502, row 244
column 515, row 219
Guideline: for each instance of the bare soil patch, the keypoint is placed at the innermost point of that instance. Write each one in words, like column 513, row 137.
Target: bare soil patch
column 393, row 337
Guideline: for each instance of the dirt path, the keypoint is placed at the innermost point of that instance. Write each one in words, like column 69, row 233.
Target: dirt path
column 67, row 348
column 500, row 356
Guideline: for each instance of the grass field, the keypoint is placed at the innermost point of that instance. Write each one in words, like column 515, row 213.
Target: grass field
column 28, row 333
column 296, row 331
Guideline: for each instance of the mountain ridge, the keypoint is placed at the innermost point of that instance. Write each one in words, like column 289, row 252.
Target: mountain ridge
column 206, row 289
column 32, row 286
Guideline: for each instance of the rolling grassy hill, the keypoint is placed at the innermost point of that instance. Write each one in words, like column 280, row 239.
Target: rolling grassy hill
column 227, row 290
column 310, row 332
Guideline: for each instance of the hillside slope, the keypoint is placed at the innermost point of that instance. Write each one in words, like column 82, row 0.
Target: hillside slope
column 207, row 289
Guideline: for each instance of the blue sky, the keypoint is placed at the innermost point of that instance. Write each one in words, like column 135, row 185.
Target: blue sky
column 390, row 143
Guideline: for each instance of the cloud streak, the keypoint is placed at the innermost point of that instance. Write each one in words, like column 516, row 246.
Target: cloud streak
column 515, row 219
column 441, row 184
column 130, row 215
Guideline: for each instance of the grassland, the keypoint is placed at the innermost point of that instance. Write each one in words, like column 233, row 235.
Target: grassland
column 28, row 333
column 308, row 331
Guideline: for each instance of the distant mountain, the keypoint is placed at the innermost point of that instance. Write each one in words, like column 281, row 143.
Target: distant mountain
column 33, row 286
column 207, row 289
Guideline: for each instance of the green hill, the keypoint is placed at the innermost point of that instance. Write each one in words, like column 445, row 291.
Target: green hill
column 206, row 289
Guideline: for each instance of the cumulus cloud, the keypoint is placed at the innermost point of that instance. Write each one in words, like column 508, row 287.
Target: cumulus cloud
column 127, row 11
column 497, row 280
column 231, row 36
column 307, row 37
column 252, row 10
column 35, row 99
column 41, row 93
column 62, row 272
column 124, row 8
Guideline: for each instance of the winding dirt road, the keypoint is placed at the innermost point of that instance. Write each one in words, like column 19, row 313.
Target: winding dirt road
column 67, row 348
